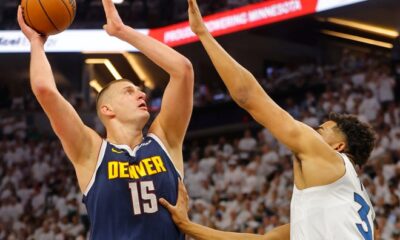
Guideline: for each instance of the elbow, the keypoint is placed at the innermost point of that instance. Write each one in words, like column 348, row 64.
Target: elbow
column 241, row 96
column 245, row 86
column 43, row 92
column 186, row 64
column 184, row 70
column 187, row 68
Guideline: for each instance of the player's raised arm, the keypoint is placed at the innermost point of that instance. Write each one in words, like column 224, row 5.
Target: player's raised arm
column 77, row 139
column 199, row 232
column 173, row 120
column 247, row 92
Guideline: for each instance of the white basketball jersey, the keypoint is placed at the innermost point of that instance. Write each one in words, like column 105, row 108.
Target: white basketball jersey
column 337, row 211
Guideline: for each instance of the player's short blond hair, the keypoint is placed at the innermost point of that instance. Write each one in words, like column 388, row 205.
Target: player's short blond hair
column 107, row 87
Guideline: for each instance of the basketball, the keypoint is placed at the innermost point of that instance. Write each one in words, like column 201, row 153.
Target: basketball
column 48, row 17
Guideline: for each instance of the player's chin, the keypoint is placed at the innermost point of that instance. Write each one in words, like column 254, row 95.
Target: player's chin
column 145, row 114
column 144, row 111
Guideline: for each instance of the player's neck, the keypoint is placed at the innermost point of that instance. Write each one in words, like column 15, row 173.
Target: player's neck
column 124, row 135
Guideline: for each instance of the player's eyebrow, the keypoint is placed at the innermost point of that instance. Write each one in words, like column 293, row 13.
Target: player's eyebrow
column 130, row 88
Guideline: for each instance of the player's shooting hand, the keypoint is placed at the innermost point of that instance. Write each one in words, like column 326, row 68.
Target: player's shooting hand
column 179, row 212
column 195, row 19
column 29, row 33
column 114, row 22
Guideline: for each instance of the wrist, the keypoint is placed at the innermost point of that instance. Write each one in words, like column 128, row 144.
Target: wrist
column 37, row 41
column 204, row 34
column 120, row 31
column 184, row 225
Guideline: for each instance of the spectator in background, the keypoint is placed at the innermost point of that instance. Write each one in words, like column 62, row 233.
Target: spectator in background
column 247, row 144
column 370, row 106
column 386, row 84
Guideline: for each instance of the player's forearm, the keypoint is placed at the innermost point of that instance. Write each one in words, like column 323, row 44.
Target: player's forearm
column 41, row 76
column 200, row 232
column 248, row 93
column 167, row 58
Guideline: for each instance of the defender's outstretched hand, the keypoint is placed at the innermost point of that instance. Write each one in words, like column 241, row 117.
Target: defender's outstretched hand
column 195, row 19
column 179, row 212
column 28, row 31
column 114, row 22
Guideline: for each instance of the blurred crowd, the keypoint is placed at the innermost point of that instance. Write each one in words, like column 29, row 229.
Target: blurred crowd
column 241, row 183
column 39, row 197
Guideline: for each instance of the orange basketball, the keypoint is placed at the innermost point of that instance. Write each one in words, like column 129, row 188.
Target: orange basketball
column 49, row 17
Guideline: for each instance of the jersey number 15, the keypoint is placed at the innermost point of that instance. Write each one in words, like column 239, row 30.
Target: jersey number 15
column 144, row 199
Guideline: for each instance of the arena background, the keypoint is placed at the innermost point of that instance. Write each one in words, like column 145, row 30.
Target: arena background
column 312, row 57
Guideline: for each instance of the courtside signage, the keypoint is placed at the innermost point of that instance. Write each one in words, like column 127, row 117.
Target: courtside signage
column 247, row 17
column 67, row 41
column 239, row 19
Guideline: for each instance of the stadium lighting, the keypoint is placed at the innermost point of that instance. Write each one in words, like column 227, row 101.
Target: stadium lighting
column 117, row 1
column 95, row 85
column 140, row 71
column 107, row 63
column 366, row 27
column 358, row 39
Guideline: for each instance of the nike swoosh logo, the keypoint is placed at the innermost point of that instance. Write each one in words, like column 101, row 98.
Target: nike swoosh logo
column 116, row 151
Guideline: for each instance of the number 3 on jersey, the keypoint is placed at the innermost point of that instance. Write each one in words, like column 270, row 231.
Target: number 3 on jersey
column 363, row 212
column 144, row 199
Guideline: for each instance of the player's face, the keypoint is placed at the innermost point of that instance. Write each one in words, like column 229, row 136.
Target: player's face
column 129, row 103
column 332, row 135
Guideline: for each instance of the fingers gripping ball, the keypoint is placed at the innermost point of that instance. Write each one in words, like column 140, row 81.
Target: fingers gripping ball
column 48, row 17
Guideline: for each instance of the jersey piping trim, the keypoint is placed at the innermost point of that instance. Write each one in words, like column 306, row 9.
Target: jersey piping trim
column 349, row 165
column 132, row 152
column 99, row 161
column 158, row 140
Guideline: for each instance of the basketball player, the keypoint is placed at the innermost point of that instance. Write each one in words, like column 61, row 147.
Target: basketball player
column 122, row 177
column 329, row 201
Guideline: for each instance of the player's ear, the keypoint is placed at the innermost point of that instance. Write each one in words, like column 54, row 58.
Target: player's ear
column 340, row 146
column 107, row 110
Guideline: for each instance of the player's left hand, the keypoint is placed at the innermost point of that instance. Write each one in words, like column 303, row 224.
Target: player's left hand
column 195, row 19
column 114, row 22
column 29, row 33
column 179, row 212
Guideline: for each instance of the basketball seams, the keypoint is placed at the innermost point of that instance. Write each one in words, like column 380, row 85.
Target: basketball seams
column 47, row 15
column 69, row 13
column 26, row 15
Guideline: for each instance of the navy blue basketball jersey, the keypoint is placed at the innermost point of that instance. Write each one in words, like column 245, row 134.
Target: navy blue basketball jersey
column 122, row 197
